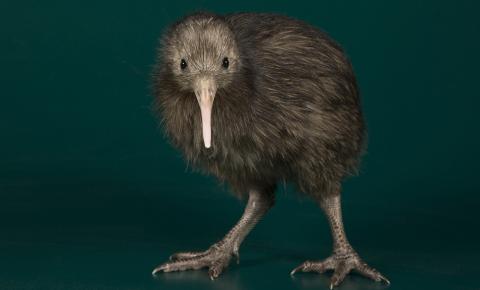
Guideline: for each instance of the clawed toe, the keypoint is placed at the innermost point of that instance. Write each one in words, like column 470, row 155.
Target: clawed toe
column 369, row 272
column 309, row 266
column 181, row 265
column 215, row 259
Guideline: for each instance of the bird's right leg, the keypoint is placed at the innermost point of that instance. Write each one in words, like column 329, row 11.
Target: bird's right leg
column 344, row 258
column 218, row 256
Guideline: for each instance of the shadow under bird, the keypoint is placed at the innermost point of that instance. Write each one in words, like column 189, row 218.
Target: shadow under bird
column 255, row 99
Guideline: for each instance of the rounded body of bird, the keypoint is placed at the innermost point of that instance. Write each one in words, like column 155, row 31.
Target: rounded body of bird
column 258, row 98
column 290, row 112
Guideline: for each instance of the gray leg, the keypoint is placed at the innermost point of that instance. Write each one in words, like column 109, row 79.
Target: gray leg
column 217, row 257
column 344, row 258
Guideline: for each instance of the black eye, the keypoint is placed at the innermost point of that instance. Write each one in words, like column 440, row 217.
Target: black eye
column 183, row 64
column 225, row 62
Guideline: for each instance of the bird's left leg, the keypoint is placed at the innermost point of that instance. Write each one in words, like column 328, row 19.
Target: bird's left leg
column 218, row 256
column 344, row 258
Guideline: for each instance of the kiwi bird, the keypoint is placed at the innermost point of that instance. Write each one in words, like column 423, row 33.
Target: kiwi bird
column 254, row 99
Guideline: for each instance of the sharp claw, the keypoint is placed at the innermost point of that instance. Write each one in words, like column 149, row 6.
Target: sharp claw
column 305, row 267
column 158, row 269
column 385, row 280
column 302, row 267
column 331, row 286
column 296, row 270
column 213, row 274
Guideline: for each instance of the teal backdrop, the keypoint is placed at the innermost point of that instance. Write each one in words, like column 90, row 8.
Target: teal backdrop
column 93, row 197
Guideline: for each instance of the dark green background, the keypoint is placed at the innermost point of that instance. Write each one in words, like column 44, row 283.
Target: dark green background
column 93, row 197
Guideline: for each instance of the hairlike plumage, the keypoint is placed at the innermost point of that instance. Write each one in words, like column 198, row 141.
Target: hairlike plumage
column 255, row 99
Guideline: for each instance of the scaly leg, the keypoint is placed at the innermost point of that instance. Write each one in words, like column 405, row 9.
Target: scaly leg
column 344, row 258
column 217, row 257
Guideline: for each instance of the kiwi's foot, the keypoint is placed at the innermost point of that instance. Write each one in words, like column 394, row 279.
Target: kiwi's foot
column 342, row 265
column 216, row 259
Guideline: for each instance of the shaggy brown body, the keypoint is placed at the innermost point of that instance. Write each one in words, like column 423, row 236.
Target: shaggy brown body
column 287, row 108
